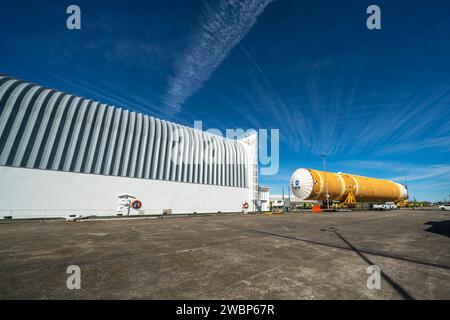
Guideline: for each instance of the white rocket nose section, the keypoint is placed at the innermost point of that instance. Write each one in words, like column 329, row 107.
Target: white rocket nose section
column 302, row 183
column 403, row 192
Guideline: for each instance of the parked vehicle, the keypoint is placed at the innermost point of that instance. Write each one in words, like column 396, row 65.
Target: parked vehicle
column 444, row 207
column 380, row 206
column 391, row 206
column 384, row 206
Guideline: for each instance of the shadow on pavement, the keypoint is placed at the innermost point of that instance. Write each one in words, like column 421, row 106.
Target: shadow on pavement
column 439, row 227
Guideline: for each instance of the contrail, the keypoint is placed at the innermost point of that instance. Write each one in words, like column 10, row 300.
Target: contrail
column 223, row 27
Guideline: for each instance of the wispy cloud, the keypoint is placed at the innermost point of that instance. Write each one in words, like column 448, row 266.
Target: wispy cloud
column 92, row 91
column 223, row 26
column 346, row 117
column 405, row 119
column 439, row 143
column 276, row 106
column 441, row 171
column 410, row 171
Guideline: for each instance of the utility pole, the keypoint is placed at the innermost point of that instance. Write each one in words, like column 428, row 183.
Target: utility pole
column 324, row 157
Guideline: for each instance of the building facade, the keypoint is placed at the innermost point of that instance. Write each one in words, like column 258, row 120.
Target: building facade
column 61, row 154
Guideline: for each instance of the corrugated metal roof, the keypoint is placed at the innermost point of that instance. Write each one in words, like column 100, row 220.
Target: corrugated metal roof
column 46, row 129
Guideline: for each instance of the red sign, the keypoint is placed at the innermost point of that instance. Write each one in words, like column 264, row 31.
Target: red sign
column 136, row 204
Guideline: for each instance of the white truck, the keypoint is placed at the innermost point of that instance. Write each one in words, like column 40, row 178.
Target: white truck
column 384, row 206
column 392, row 205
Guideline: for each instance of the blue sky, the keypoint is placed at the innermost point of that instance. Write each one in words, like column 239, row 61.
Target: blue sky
column 378, row 102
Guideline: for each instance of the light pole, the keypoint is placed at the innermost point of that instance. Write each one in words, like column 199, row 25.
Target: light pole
column 324, row 157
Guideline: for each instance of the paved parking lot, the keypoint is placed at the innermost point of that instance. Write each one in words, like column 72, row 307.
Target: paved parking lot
column 293, row 256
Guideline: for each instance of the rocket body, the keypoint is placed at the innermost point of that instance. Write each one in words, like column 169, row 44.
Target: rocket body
column 310, row 184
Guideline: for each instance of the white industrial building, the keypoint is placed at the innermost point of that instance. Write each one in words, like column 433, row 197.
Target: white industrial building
column 263, row 199
column 278, row 201
column 63, row 155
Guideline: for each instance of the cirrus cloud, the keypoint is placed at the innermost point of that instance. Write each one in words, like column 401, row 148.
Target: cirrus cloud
column 223, row 26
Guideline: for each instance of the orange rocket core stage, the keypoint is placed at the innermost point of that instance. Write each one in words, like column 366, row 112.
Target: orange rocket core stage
column 309, row 184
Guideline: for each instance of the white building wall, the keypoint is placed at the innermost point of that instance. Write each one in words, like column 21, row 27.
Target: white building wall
column 27, row 193
column 60, row 153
